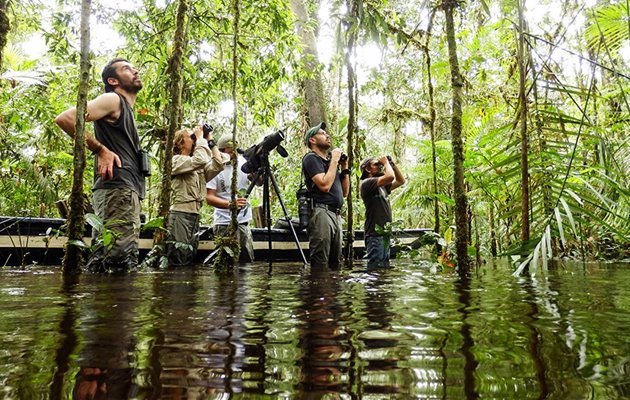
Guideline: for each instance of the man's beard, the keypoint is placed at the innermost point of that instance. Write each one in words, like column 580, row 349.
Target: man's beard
column 131, row 87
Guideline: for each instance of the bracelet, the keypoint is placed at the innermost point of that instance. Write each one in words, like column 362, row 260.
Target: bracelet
column 344, row 172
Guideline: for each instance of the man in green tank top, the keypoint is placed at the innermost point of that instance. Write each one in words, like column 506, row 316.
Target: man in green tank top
column 119, row 182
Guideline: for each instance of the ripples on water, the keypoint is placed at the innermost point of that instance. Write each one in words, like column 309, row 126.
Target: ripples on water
column 408, row 332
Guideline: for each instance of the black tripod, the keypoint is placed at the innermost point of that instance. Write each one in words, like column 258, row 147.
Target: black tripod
column 267, row 175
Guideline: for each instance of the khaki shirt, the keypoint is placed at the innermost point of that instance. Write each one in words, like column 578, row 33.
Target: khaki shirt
column 190, row 174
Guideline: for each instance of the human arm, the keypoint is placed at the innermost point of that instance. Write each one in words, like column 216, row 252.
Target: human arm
column 214, row 200
column 105, row 106
column 399, row 178
column 192, row 155
column 324, row 180
column 215, row 165
column 388, row 173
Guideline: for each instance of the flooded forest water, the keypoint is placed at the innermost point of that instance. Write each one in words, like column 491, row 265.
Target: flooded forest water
column 408, row 332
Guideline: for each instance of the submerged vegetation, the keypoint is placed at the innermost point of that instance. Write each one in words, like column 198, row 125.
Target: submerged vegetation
column 542, row 105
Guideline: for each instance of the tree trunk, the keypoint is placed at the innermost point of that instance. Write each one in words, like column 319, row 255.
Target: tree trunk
column 5, row 27
column 73, row 258
column 431, row 123
column 229, row 246
column 522, row 97
column 235, row 66
column 313, row 87
column 459, row 185
column 352, row 119
column 174, row 117
column 493, row 232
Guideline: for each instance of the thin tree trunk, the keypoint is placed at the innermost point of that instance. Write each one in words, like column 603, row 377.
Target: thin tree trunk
column 228, row 246
column 234, row 209
column 352, row 118
column 5, row 27
column 459, row 186
column 493, row 232
column 522, row 96
column 431, row 123
column 313, row 87
column 176, row 82
column 73, row 258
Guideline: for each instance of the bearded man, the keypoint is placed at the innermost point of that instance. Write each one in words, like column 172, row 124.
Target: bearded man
column 119, row 180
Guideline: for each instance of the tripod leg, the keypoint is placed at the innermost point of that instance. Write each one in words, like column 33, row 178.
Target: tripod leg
column 286, row 215
column 266, row 206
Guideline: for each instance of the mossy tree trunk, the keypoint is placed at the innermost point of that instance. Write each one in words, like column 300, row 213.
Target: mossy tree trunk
column 431, row 123
column 523, row 110
column 352, row 32
column 229, row 245
column 235, row 67
column 5, row 27
column 176, row 82
column 73, row 258
column 312, row 85
column 459, row 185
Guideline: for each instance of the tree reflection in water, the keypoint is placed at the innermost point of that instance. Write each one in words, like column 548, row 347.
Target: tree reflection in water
column 324, row 359
column 105, row 359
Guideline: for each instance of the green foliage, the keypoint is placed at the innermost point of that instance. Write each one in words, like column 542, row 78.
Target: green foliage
column 227, row 252
column 107, row 237
column 578, row 150
column 608, row 22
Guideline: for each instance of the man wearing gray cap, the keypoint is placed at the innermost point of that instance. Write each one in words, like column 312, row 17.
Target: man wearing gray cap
column 328, row 188
column 219, row 195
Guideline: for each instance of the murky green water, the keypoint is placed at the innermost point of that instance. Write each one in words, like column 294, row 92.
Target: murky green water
column 410, row 332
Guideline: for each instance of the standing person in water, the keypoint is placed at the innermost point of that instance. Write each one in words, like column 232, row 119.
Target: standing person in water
column 328, row 188
column 196, row 160
column 379, row 176
column 219, row 195
column 119, row 182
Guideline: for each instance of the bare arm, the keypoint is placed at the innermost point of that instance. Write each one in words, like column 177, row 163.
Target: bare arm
column 388, row 174
column 399, row 178
column 216, row 201
column 324, row 181
column 104, row 106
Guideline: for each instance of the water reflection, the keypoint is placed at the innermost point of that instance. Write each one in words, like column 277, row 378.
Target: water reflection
column 324, row 359
column 380, row 341
column 408, row 332
column 462, row 288
column 69, row 341
column 105, row 363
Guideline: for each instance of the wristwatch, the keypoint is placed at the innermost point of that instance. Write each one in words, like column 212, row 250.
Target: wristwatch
column 211, row 143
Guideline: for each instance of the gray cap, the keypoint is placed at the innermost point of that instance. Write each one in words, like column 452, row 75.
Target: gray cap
column 225, row 141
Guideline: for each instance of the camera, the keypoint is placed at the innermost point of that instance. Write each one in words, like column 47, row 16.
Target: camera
column 254, row 153
column 305, row 206
column 342, row 158
column 391, row 162
column 207, row 130
column 145, row 162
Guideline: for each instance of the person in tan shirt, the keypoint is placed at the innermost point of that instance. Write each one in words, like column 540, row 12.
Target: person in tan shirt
column 196, row 160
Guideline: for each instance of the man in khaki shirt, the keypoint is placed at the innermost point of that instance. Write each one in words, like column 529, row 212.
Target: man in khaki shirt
column 196, row 160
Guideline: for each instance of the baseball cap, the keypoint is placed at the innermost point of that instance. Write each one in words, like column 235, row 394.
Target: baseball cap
column 313, row 131
column 364, row 164
column 225, row 141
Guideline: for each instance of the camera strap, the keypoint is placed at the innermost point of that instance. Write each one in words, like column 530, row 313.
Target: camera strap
column 303, row 175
